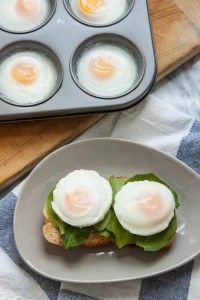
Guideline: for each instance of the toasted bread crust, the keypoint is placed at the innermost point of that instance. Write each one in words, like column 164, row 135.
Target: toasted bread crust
column 45, row 214
column 96, row 240
column 52, row 234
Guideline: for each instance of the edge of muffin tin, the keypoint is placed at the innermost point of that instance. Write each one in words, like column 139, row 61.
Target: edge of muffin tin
column 69, row 10
column 69, row 98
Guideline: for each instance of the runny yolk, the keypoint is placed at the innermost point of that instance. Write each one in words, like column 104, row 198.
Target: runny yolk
column 90, row 6
column 78, row 202
column 101, row 68
column 153, row 206
column 27, row 8
column 24, row 73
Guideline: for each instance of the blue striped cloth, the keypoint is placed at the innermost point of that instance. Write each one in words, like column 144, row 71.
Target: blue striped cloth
column 155, row 123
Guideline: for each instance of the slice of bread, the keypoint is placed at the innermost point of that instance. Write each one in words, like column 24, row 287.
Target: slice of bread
column 52, row 235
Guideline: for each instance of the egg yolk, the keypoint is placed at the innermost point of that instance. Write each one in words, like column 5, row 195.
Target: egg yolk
column 27, row 8
column 78, row 202
column 90, row 6
column 24, row 73
column 101, row 68
column 153, row 206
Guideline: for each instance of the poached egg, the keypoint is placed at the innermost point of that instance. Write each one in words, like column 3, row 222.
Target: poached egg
column 144, row 207
column 23, row 15
column 27, row 77
column 82, row 198
column 107, row 70
column 99, row 12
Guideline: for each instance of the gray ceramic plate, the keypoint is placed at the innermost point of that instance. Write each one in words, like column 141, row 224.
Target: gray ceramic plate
column 107, row 156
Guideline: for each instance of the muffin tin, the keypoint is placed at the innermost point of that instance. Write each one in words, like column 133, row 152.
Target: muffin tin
column 64, row 37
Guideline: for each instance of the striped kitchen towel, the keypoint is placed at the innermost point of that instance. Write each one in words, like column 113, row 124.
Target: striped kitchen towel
column 152, row 122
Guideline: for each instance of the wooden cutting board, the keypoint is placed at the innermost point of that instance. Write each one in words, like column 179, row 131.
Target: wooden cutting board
column 176, row 32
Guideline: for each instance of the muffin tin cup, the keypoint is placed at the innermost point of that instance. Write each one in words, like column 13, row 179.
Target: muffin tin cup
column 40, row 48
column 53, row 6
column 119, row 41
column 64, row 35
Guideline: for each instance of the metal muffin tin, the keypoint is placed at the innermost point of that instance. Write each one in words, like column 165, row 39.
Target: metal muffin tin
column 64, row 37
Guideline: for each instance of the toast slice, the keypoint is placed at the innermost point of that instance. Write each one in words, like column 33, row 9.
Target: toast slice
column 52, row 235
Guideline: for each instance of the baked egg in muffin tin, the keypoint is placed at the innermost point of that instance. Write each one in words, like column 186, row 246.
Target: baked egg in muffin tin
column 73, row 57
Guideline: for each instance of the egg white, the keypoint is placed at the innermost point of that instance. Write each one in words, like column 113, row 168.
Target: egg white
column 132, row 218
column 120, row 82
column 111, row 11
column 96, row 186
column 11, row 20
column 37, row 91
